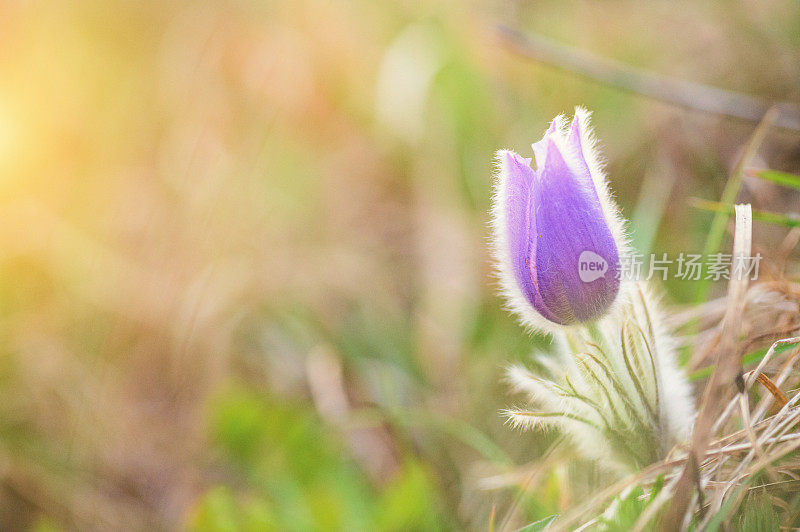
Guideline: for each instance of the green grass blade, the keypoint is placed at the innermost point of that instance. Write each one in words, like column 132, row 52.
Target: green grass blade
column 749, row 358
column 784, row 179
column 786, row 220
column 727, row 507
column 717, row 230
column 542, row 524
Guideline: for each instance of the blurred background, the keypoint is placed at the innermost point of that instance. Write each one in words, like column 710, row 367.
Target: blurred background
column 244, row 278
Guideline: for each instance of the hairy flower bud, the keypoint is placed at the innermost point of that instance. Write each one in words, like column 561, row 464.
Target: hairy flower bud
column 557, row 232
column 613, row 384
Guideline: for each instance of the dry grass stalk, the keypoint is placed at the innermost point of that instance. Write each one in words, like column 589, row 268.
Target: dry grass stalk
column 728, row 370
column 776, row 392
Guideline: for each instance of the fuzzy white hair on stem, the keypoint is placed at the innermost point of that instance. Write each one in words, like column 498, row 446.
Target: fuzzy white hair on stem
column 615, row 389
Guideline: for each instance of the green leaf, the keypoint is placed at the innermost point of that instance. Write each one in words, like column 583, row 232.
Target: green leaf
column 757, row 514
column 219, row 510
column 541, row 524
column 658, row 484
column 779, row 178
column 788, row 220
column 727, row 507
column 409, row 502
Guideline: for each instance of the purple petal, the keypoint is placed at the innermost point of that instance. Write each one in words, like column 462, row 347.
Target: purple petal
column 521, row 227
column 540, row 148
column 562, row 255
column 570, row 223
column 575, row 146
column 574, row 137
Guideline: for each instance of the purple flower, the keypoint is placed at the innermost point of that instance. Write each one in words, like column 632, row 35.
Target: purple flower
column 558, row 234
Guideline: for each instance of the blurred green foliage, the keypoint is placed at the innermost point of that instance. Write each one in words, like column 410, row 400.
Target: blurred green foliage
column 299, row 478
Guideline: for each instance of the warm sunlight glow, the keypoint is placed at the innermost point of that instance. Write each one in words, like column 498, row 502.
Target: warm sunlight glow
column 9, row 136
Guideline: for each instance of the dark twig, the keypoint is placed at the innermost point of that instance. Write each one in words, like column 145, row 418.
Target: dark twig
column 687, row 94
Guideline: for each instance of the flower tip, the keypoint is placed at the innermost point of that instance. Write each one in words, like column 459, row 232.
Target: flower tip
column 509, row 158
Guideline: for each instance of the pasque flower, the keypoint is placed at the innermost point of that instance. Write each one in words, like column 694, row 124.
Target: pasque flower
column 612, row 383
column 558, row 234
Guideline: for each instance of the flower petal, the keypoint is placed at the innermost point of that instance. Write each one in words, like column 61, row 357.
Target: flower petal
column 570, row 222
column 540, row 148
column 520, row 226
